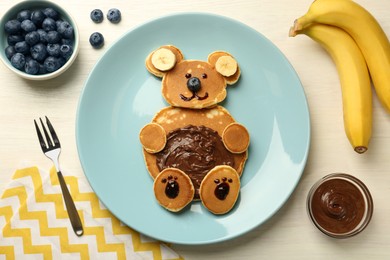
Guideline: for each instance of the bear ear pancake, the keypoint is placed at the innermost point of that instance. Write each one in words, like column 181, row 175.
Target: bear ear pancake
column 151, row 59
column 213, row 59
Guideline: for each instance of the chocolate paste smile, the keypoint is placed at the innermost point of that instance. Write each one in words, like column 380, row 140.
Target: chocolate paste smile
column 194, row 95
column 195, row 150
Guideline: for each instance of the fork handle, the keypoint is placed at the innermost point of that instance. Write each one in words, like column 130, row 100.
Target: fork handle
column 71, row 208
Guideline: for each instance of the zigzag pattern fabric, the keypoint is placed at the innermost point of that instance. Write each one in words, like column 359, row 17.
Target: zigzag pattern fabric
column 35, row 225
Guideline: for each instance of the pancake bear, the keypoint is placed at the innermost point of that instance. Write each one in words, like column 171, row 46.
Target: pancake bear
column 194, row 149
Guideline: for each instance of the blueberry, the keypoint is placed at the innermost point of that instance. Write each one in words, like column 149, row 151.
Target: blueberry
column 52, row 64
column 66, row 30
column 23, row 15
column 42, row 69
column 62, row 61
column 31, row 67
column 66, row 51
column 49, row 24
column 97, row 15
column 12, row 39
column 53, row 37
column 12, row 27
column 58, row 22
column 114, row 15
column 53, row 49
column 39, row 52
column 28, row 26
column 66, row 41
column 96, row 40
column 32, row 38
column 51, row 13
column 27, row 58
column 37, row 17
column 18, row 61
column 42, row 35
column 10, row 51
column 22, row 47
column 193, row 84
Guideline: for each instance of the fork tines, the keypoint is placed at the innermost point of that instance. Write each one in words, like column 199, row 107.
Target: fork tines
column 49, row 138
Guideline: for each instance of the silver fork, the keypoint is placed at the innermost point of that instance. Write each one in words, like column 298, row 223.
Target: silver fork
column 52, row 151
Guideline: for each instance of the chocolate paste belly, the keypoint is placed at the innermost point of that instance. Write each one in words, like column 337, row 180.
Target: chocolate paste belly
column 194, row 150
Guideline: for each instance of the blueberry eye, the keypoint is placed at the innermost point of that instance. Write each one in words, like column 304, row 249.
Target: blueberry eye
column 188, row 75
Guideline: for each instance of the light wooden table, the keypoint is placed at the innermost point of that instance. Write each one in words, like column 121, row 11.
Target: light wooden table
column 288, row 234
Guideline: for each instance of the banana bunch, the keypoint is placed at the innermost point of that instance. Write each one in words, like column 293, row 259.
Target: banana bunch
column 361, row 52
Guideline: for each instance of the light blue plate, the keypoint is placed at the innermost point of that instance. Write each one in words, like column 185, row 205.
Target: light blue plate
column 120, row 97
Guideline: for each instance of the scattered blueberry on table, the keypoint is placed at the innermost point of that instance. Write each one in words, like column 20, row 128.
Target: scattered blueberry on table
column 114, row 15
column 97, row 16
column 96, row 40
column 39, row 41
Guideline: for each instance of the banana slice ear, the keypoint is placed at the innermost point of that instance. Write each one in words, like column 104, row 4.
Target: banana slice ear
column 163, row 59
column 226, row 65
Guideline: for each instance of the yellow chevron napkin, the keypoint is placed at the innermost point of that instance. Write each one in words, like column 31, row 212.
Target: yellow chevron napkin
column 35, row 225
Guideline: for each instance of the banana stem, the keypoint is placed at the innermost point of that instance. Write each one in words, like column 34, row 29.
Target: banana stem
column 292, row 32
column 302, row 22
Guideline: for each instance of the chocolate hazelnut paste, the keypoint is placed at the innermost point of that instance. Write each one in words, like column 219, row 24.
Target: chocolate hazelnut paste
column 338, row 206
column 195, row 150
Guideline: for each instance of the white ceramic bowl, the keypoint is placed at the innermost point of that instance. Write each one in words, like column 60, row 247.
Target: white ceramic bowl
column 34, row 5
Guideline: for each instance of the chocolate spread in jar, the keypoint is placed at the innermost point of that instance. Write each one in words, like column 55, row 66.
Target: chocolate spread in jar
column 338, row 206
column 195, row 150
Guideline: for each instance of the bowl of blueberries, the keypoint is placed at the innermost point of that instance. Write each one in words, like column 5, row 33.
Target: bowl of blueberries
column 39, row 39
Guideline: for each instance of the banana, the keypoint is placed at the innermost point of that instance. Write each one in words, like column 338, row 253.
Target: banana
column 364, row 29
column 163, row 59
column 354, row 80
column 226, row 65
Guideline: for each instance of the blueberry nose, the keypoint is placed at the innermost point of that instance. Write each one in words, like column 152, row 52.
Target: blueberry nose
column 193, row 84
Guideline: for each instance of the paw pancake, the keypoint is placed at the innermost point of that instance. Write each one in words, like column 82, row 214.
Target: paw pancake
column 173, row 189
column 219, row 189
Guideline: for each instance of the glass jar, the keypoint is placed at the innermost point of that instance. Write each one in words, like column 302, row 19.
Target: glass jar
column 340, row 205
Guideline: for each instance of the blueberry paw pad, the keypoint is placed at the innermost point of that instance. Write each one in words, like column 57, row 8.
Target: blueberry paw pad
column 222, row 187
column 172, row 187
